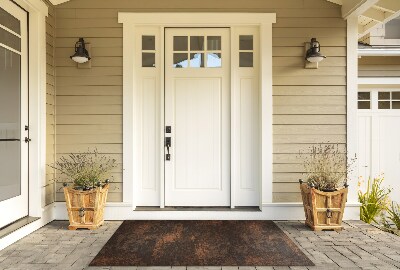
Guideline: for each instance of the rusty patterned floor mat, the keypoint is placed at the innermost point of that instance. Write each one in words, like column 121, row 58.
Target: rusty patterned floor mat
column 200, row 243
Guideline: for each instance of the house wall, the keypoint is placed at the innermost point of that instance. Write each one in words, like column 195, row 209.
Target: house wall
column 49, row 186
column 379, row 66
column 309, row 104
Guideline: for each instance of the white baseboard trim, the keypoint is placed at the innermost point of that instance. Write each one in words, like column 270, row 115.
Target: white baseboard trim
column 270, row 211
column 47, row 216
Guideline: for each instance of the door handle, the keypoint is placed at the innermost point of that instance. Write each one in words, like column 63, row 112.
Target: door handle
column 10, row 140
column 168, row 145
column 27, row 139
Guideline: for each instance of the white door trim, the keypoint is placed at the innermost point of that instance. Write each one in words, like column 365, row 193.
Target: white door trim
column 37, row 12
column 131, row 146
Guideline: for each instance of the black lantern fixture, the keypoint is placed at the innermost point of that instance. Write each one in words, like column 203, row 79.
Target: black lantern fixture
column 81, row 54
column 313, row 54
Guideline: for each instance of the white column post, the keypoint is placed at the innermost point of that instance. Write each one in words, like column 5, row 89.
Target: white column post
column 352, row 89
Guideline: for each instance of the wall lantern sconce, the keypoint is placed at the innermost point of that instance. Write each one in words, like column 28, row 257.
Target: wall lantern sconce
column 313, row 55
column 81, row 54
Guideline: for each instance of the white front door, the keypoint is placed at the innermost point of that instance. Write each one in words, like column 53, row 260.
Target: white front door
column 13, row 113
column 197, row 110
column 379, row 133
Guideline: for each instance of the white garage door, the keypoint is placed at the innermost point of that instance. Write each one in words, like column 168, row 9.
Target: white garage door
column 379, row 136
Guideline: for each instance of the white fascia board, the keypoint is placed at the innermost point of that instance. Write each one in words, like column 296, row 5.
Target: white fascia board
column 379, row 52
column 378, row 80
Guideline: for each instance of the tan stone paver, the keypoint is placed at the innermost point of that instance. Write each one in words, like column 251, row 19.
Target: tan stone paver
column 358, row 246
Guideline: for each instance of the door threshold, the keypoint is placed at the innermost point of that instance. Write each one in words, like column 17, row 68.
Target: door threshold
column 9, row 229
column 199, row 209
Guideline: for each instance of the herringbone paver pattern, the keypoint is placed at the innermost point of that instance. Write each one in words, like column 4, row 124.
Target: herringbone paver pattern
column 358, row 246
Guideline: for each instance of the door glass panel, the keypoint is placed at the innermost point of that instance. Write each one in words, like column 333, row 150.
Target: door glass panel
column 196, row 43
column 246, row 42
column 214, row 60
column 180, row 60
column 9, row 21
column 214, row 43
column 364, row 105
column 10, row 40
column 384, row 95
column 197, row 60
column 180, row 43
column 364, row 95
column 396, row 95
column 245, row 59
column 148, row 43
column 10, row 123
column 148, row 59
column 383, row 105
column 396, row 105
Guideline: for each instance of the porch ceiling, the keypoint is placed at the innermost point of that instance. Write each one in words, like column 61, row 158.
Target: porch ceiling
column 371, row 13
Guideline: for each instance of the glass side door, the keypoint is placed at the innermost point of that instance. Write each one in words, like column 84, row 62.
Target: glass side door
column 13, row 113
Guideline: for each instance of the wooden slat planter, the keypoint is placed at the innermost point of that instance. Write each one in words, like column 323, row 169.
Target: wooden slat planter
column 86, row 208
column 323, row 210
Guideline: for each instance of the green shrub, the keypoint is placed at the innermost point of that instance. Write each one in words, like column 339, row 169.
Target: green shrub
column 393, row 214
column 374, row 200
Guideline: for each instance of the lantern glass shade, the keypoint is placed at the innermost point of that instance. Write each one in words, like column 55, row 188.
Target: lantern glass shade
column 81, row 54
column 313, row 54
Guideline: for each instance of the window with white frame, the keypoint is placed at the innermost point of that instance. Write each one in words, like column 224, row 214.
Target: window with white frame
column 364, row 100
column 377, row 99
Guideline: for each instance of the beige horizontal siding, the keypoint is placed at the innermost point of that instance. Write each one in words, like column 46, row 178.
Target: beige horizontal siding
column 379, row 66
column 309, row 104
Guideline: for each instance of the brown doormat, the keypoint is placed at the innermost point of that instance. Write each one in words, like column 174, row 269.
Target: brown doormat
column 200, row 243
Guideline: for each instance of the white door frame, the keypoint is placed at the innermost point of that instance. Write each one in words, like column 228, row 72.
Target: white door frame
column 37, row 12
column 131, row 146
column 17, row 207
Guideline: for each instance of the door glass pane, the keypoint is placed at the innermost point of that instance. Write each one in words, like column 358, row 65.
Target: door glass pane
column 364, row 105
column 213, row 43
column 10, row 123
column 384, row 95
column 245, row 42
column 10, row 40
column 180, row 60
column 214, row 60
column 396, row 95
column 364, row 95
column 197, row 60
column 396, row 105
column 196, row 43
column 148, row 43
column 148, row 59
column 9, row 21
column 383, row 105
column 180, row 43
column 245, row 59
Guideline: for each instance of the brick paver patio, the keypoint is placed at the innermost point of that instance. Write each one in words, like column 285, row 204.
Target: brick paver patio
column 358, row 246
